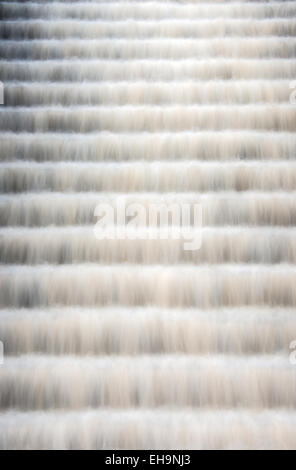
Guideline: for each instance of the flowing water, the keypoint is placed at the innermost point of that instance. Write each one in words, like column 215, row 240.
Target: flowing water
column 132, row 344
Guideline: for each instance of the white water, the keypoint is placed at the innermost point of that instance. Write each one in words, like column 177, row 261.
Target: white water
column 138, row 344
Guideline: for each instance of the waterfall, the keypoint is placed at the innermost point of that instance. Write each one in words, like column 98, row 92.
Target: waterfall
column 134, row 341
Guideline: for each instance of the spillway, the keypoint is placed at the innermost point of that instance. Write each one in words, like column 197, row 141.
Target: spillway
column 134, row 342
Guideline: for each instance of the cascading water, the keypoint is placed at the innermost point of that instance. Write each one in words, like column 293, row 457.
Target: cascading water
column 140, row 344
